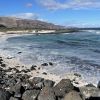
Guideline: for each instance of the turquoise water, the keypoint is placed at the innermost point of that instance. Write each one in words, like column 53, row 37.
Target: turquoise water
column 76, row 52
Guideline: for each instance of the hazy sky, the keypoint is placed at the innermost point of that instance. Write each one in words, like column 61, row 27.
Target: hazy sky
column 64, row 12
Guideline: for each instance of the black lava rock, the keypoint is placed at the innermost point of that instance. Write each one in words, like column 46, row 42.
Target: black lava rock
column 4, row 95
column 32, row 68
column 98, row 85
column 48, row 83
column 30, row 95
column 12, row 98
column 63, row 87
column 37, row 80
column 47, row 93
column 44, row 64
column 3, row 65
column 19, row 52
column 44, row 73
column 18, row 89
column 50, row 63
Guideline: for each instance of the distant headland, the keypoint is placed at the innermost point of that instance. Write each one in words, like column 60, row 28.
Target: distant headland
column 18, row 25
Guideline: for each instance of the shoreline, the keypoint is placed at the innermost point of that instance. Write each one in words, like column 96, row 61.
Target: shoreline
column 37, row 33
column 15, row 61
column 22, row 82
column 40, row 71
column 10, row 61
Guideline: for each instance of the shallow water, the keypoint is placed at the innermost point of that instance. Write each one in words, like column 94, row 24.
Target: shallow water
column 76, row 52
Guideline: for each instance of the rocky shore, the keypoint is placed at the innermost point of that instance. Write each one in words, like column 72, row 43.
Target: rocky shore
column 21, row 83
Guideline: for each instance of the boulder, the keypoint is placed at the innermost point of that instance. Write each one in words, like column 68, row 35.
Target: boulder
column 12, row 98
column 21, row 77
column 11, row 82
column 28, row 86
column 63, row 87
column 89, row 91
column 48, row 83
column 37, row 80
column 94, row 98
column 30, row 95
column 18, row 89
column 4, row 95
column 47, row 93
column 38, row 85
column 32, row 68
column 59, row 98
column 73, row 95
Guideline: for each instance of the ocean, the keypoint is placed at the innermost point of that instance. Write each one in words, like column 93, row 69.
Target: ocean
column 77, row 52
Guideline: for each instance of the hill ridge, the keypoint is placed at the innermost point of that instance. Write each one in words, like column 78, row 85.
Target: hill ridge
column 13, row 22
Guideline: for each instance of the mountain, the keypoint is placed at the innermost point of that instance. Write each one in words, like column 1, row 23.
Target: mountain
column 11, row 22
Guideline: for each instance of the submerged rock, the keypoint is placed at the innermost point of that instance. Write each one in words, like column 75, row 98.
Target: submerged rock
column 50, row 63
column 76, row 74
column 63, row 87
column 44, row 64
column 44, row 73
column 19, row 52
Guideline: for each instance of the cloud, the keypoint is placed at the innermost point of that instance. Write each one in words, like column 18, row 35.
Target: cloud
column 29, row 5
column 70, row 4
column 80, row 24
column 25, row 15
column 28, row 15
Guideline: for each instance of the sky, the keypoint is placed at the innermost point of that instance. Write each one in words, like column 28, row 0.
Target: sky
column 81, row 13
